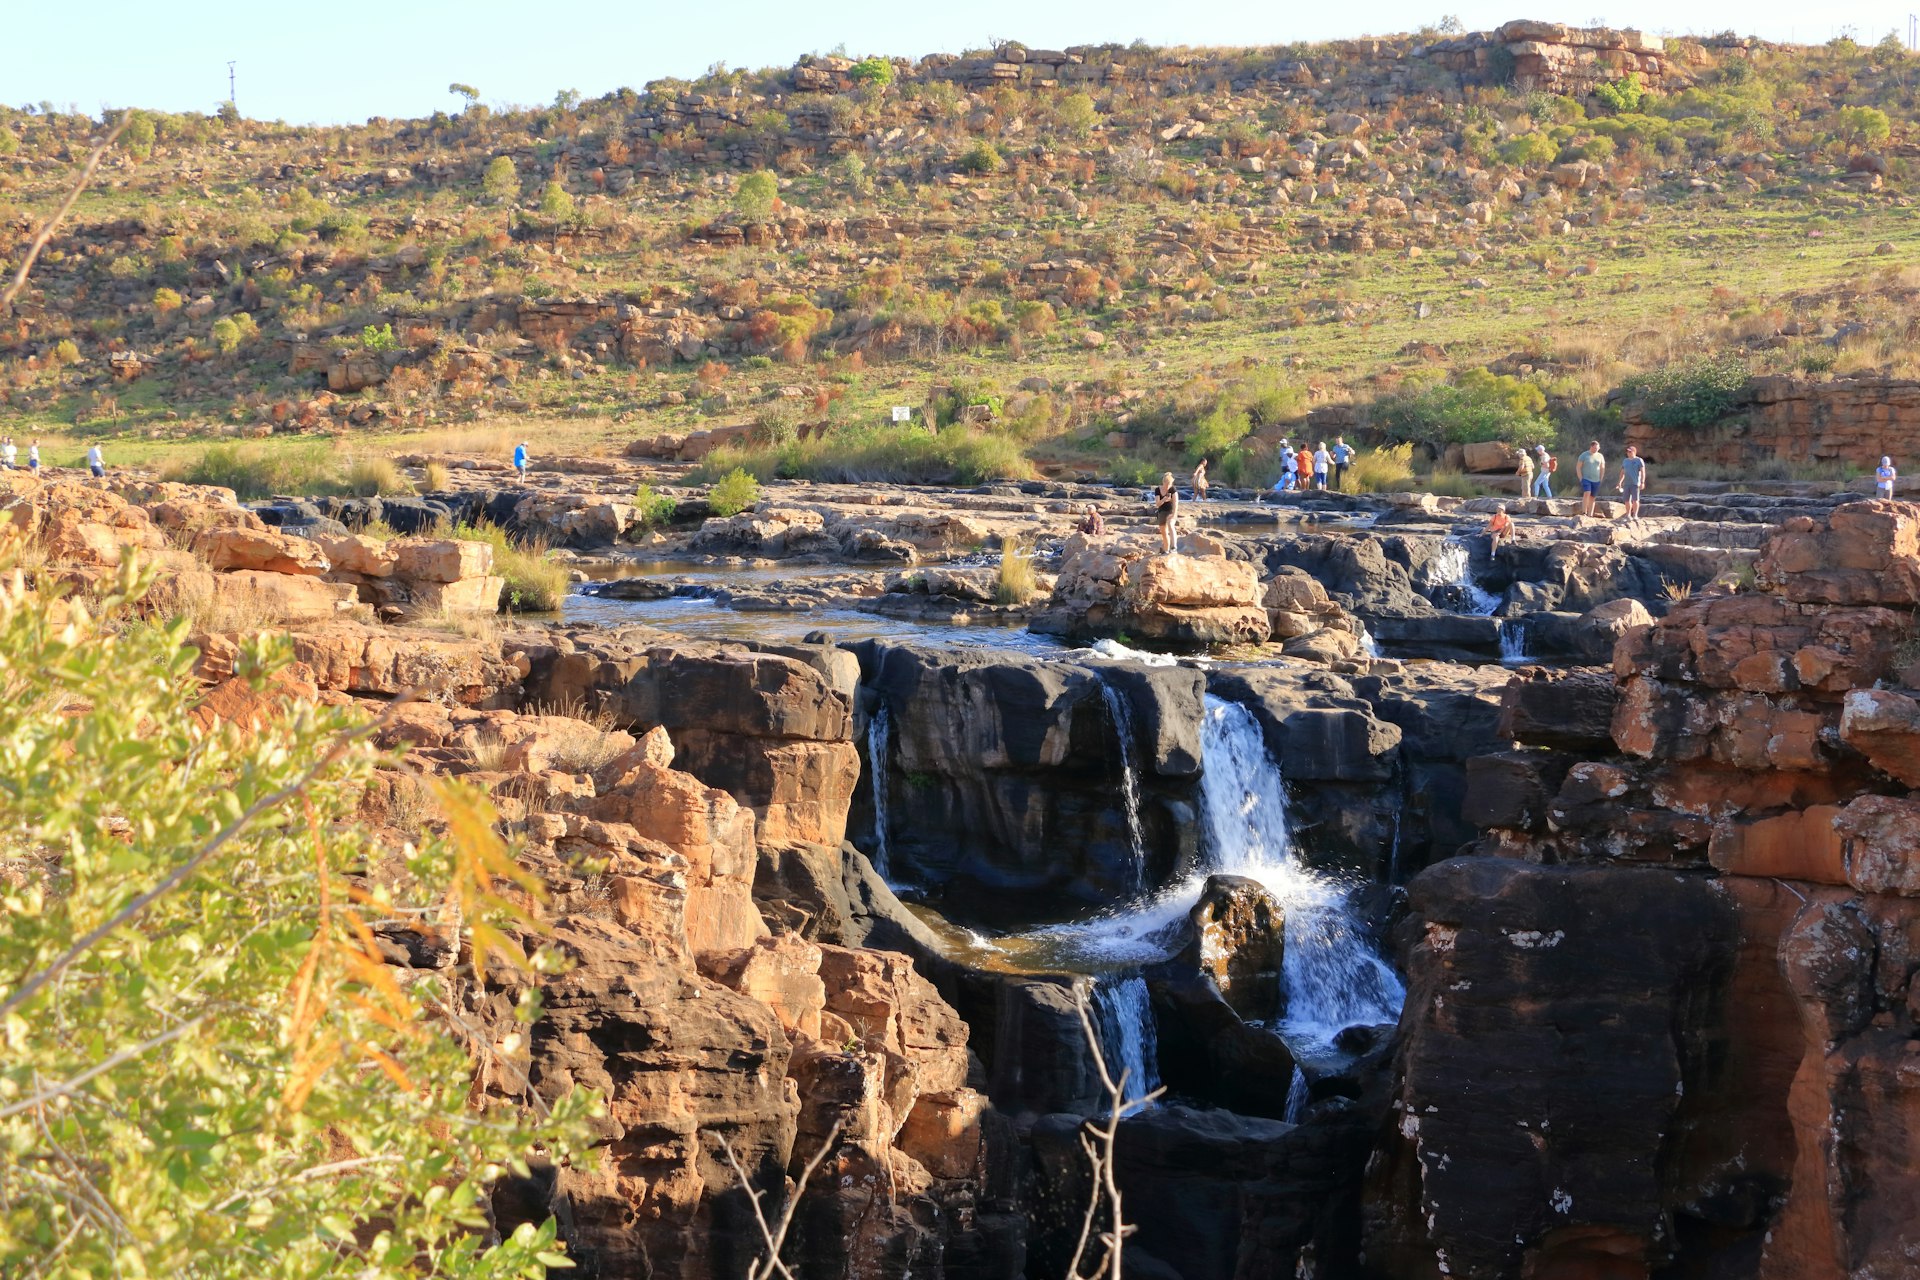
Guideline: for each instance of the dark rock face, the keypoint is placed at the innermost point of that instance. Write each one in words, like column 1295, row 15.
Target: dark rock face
column 1357, row 570
column 1004, row 775
column 1570, row 710
column 1561, row 1024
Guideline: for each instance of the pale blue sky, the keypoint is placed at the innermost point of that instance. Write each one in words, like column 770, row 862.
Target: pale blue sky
column 350, row 59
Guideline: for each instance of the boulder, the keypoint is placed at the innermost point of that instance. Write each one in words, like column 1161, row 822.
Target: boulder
column 260, row 549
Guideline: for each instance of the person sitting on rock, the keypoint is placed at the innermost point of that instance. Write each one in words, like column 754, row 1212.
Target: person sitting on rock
column 1883, row 477
column 1092, row 525
column 1166, row 510
column 1499, row 529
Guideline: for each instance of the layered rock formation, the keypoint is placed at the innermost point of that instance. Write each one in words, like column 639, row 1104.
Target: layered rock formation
column 1113, row 587
column 1796, row 420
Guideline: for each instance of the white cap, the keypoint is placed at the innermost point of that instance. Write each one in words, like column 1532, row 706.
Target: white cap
column 1886, row 461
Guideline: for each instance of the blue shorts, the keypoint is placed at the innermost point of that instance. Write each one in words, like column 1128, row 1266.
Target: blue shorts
column 1590, row 486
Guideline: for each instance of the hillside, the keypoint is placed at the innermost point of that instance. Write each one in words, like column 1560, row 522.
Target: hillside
column 1097, row 257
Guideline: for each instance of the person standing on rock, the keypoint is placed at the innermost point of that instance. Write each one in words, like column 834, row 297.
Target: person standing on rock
column 1633, row 478
column 1883, row 477
column 1591, row 467
column 33, row 457
column 1342, row 459
column 1303, row 467
column 1525, row 472
column 9, row 452
column 520, row 459
column 1166, row 511
column 1321, row 461
column 1200, row 481
column 1545, row 467
column 96, row 463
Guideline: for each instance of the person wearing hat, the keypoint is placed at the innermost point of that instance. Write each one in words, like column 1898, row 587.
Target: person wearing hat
column 1543, row 467
column 1883, row 477
column 520, row 459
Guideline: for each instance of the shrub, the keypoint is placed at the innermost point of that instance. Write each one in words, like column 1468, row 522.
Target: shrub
column 534, row 583
column 1624, row 94
column 501, row 181
column 1077, row 114
column 733, row 493
column 1222, row 427
column 1015, row 582
column 65, row 352
column 1476, row 406
column 1529, row 149
column 882, row 454
column 1863, row 124
column 378, row 337
column 555, row 202
column 654, row 509
column 874, row 71
column 982, row 157
column 166, row 300
column 9, row 141
column 137, row 137
column 754, row 198
column 219, row 864
column 1693, row 393
column 436, row 477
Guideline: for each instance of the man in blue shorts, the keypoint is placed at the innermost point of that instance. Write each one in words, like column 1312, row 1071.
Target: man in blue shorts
column 1591, row 468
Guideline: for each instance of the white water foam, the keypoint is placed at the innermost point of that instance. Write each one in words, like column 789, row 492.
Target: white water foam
column 879, row 743
column 1513, row 641
column 1122, row 717
column 1125, row 653
column 1333, row 979
column 1453, row 566
column 1123, row 1021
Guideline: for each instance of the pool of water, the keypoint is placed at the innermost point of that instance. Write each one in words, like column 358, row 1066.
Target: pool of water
column 701, row 618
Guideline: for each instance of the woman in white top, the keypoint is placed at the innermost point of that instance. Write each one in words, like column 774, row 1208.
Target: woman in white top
column 1883, row 477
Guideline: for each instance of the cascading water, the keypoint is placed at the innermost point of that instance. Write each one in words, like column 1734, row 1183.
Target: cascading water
column 1296, row 1097
column 879, row 744
column 1121, row 715
column 1123, row 1021
column 1452, row 565
column 1333, row 979
column 1369, row 647
column 1513, row 641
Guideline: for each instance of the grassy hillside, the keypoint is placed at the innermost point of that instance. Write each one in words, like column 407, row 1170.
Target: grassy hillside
column 1107, row 263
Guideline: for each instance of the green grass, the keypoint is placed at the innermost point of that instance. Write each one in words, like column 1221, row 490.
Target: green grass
column 882, row 454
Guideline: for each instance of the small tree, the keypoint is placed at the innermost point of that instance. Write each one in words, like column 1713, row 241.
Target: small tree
column 872, row 71
column 466, row 91
column 754, row 198
column 982, row 157
column 734, row 492
column 501, row 181
column 139, row 134
column 226, row 335
column 555, row 202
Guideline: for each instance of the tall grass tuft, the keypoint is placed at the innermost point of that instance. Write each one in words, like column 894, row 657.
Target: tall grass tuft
column 535, row 584
column 880, row 454
column 256, row 471
column 436, row 477
column 1015, row 583
column 1388, row 470
column 370, row 477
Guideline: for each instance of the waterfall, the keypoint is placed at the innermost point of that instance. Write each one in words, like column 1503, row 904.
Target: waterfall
column 1369, row 647
column 1121, row 715
column 879, row 744
column 1123, row 1022
column 1452, row 565
column 1332, row 977
column 1513, row 641
column 1296, row 1097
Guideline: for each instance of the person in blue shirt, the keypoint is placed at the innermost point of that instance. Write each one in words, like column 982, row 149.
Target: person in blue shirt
column 1342, row 456
column 520, row 459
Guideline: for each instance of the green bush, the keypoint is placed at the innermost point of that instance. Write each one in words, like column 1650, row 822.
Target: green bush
column 1221, row 428
column 555, row 202
column 734, row 492
column 1694, row 393
column 654, row 509
column 753, row 199
column 501, row 181
column 1624, row 94
column 378, row 337
column 875, row 71
column 1474, row 407
column 255, row 471
column 881, row 454
column 210, row 1064
column 1529, row 149
column 982, row 157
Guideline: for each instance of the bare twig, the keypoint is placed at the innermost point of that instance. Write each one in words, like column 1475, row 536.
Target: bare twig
column 127, row 1054
column 1097, row 1140
column 179, row 875
column 39, row 242
column 775, row 1236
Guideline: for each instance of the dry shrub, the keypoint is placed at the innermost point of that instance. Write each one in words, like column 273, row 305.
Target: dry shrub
column 1015, row 583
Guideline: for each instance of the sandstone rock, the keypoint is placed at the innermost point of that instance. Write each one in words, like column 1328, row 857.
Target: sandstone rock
column 1106, row 586
column 1867, row 553
column 368, row 660
column 1885, row 727
column 1798, row 845
column 1569, row 710
column 353, row 553
column 441, row 560
column 1882, row 849
column 260, row 549
column 268, row 599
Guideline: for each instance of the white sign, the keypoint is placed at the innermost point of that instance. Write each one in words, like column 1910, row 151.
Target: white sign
column 901, row 413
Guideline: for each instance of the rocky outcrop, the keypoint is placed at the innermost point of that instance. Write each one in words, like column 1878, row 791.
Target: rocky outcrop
column 1843, row 420
column 1112, row 587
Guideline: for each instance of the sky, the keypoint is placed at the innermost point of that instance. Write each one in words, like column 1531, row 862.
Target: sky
column 345, row 61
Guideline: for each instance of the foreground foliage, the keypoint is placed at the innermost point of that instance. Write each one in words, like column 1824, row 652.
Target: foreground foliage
column 206, row 1070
